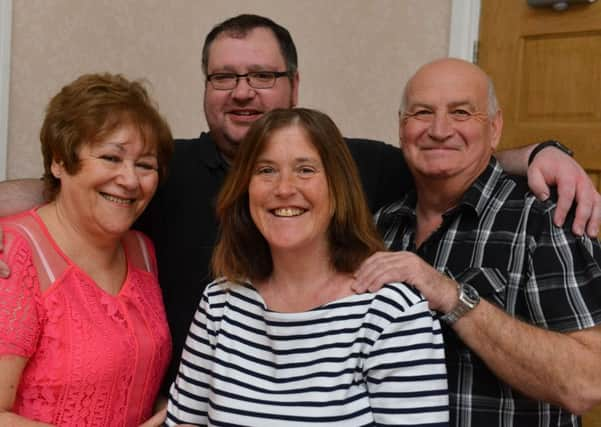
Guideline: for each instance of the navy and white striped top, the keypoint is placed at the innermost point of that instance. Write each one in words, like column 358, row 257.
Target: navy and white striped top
column 362, row 360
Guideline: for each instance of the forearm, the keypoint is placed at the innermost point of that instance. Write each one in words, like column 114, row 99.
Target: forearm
column 515, row 160
column 11, row 368
column 20, row 195
column 545, row 365
column 9, row 419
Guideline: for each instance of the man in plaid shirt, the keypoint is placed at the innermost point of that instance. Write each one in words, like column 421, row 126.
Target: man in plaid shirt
column 519, row 296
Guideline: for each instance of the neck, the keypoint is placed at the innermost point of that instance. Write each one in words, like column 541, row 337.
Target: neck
column 302, row 283
column 101, row 257
column 300, row 276
column 433, row 200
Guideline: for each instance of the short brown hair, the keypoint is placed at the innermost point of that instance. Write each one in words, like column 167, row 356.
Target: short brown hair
column 242, row 252
column 90, row 108
column 239, row 26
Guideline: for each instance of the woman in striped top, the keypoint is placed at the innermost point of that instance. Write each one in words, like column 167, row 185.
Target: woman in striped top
column 282, row 339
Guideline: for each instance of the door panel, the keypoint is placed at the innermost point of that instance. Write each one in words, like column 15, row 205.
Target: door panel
column 593, row 418
column 546, row 66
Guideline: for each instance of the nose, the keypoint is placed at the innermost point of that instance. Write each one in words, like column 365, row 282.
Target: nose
column 243, row 90
column 285, row 186
column 127, row 176
column 441, row 127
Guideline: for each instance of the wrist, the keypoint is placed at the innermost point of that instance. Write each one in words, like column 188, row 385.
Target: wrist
column 549, row 143
column 467, row 299
column 452, row 297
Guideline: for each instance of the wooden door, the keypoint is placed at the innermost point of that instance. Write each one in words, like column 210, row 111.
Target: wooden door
column 546, row 66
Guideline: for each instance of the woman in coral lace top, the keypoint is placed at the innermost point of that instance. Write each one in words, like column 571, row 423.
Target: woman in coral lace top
column 83, row 335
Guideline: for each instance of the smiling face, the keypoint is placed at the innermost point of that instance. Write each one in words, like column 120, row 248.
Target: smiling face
column 288, row 194
column 446, row 131
column 230, row 113
column 115, row 182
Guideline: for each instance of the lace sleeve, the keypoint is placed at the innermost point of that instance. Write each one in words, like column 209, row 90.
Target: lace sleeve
column 19, row 300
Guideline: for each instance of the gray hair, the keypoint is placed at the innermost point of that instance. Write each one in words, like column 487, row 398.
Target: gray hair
column 493, row 102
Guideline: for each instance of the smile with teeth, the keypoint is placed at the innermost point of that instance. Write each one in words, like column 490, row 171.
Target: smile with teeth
column 116, row 199
column 288, row 212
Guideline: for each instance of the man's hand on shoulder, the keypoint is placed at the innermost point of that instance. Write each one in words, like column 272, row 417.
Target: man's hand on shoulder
column 386, row 267
column 552, row 166
column 17, row 196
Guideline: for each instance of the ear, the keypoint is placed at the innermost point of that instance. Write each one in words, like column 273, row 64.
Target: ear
column 57, row 168
column 496, row 129
column 401, row 130
column 294, row 82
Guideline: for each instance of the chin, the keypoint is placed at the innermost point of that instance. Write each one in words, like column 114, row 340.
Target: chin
column 285, row 245
column 434, row 174
column 116, row 229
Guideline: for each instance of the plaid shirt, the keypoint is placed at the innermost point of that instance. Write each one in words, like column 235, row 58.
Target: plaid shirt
column 502, row 241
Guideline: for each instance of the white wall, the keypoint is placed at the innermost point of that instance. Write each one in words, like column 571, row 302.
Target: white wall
column 354, row 57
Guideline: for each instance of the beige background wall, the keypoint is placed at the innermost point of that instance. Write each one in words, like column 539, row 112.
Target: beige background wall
column 354, row 56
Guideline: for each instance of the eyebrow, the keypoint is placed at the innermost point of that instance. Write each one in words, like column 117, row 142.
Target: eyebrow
column 108, row 144
column 228, row 69
column 296, row 160
column 450, row 105
column 462, row 103
column 120, row 146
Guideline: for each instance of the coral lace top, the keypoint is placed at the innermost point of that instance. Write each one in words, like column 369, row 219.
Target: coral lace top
column 94, row 359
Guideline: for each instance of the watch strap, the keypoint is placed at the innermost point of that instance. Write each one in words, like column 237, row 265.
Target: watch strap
column 468, row 300
column 549, row 143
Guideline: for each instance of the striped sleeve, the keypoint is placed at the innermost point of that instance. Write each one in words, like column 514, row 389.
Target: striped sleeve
column 188, row 395
column 405, row 370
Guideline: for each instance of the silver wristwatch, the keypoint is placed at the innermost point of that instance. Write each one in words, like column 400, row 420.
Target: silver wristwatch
column 468, row 300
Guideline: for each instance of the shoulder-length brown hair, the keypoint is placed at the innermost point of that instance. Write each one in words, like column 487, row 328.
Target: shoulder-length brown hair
column 242, row 252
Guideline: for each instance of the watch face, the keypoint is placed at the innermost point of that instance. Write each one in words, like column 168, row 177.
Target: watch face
column 468, row 299
column 470, row 293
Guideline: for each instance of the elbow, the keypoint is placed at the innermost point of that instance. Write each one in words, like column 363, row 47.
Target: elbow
column 578, row 408
column 582, row 400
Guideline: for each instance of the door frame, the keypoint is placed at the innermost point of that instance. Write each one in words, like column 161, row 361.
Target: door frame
column 5, row 37
column 463, row 34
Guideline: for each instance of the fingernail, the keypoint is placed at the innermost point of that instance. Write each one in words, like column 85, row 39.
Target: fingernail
column 544, row 196
column 3, row 272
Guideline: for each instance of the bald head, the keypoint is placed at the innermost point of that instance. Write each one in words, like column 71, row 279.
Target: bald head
column 449, row 127
column 454, row 70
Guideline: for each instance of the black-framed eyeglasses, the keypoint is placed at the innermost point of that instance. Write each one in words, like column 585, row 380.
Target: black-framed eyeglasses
column 255, row 79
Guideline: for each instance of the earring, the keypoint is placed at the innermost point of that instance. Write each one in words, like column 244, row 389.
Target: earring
column 55, row 169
